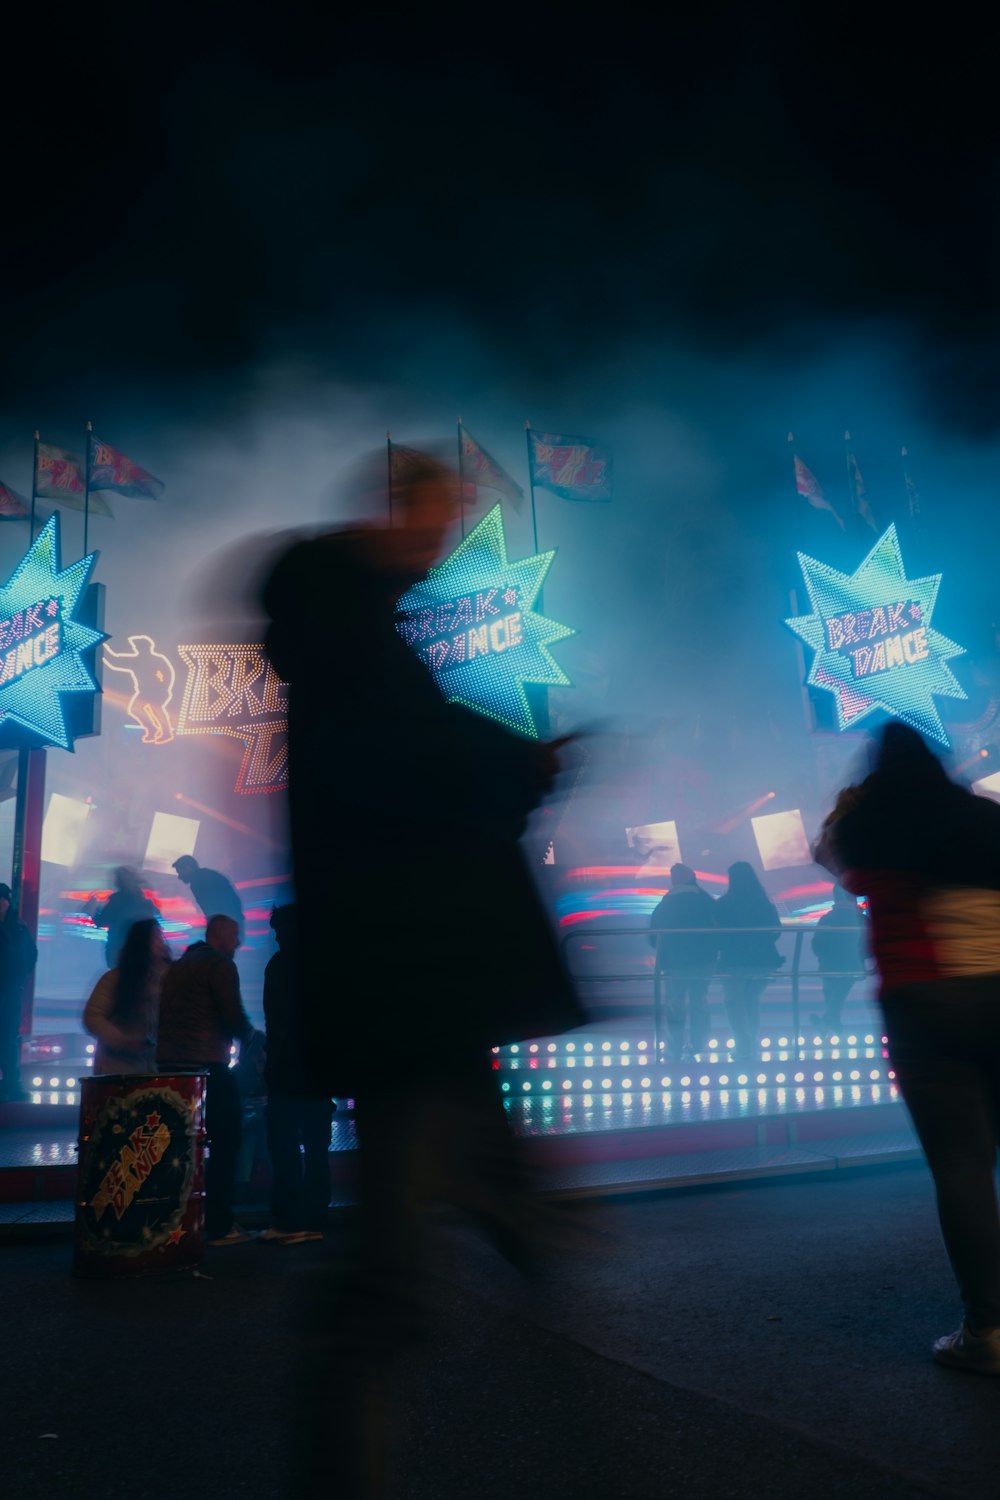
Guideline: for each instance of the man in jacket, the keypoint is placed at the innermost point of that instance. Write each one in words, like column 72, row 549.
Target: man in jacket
column 201, row 1015
column 213, row 891
column 683, row 934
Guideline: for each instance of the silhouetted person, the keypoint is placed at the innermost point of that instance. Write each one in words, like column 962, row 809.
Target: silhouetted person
column 298, row 1123
column 926, row 853
column 746, row 958
column 18, row 956
column 124, row 1008
column 213, row 892
column 201, row 1015
column 838, row 945
column 687, row 943
column 401, row 1004
column 127, row 904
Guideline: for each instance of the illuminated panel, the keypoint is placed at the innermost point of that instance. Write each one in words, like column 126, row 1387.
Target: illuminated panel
column 62, row 829
column 169, row 838
column 988, row 786
column 872, row 640
column 656, row 842
column 472, row 621
column 234, row 690
column 41, row 641
column 151, row 677
column 781, row 840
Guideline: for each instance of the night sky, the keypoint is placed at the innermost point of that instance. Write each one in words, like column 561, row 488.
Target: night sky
column 192, row 192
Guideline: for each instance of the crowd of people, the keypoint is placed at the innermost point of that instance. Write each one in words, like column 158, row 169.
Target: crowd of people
column 373, row 764
column 735, row 938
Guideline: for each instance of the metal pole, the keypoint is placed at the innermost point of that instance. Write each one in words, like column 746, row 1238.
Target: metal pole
column 27, row 862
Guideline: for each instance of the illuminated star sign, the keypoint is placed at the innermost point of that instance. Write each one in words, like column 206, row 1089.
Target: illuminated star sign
column 473, row 622
column 41, row 642
column 874, row 645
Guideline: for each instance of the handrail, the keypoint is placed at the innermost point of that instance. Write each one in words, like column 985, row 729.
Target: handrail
column 794, row 972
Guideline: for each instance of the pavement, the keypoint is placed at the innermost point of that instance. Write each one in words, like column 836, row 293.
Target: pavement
column 753, row 1340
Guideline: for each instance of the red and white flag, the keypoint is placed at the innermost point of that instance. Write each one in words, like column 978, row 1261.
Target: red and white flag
column 811, row 490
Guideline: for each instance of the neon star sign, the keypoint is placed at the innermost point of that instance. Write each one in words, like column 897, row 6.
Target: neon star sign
column 472, row 620
column 42, row 643
column 873, row 642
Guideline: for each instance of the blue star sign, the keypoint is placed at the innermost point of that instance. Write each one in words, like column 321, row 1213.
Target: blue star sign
column 472, row 621
column 874, row 645
column 41, row 641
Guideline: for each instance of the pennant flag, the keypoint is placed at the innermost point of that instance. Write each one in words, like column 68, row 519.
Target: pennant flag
column 111, row 470
column 59, row 477
column 480, row 471
column 573, row 468
column 401, row 461
column 912, row 498
column 13, row 507
column 810, row 489
column 858, row 491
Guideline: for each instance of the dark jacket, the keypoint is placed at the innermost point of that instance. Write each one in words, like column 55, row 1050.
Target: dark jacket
column 753, row 952
column 201, row 1008
column 285, row 1071
column 18, row 956
column 217, row 896
column 680, row 952
column 840, row 951
column 392, row 787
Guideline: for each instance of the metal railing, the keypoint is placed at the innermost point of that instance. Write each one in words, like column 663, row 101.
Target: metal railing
column 794, row 971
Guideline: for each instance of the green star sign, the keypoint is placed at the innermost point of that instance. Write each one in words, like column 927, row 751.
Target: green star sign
column 473, row 621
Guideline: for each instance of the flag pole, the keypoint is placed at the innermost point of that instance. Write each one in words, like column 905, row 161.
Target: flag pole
column 34, row 483
column 86, row 486
column 461, row 477
column 531, row 486
column 388, row 459
column 798, row 497
column 852, row 493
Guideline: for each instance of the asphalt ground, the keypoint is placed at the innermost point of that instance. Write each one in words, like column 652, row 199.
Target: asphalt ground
column 746, row 1341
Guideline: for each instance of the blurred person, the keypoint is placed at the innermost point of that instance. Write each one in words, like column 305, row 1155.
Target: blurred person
column 838, row 944
column 399, row 1005
column 214, row 893
column 747, row 956
column 926, row 853
column 201, row 1015
column 687, row 945
column 298, row 1123
column 127, row 904
column 18, row 956
column 124, row 1008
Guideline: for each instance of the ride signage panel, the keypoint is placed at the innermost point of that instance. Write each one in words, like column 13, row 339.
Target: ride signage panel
column 46, row 647
column 473, row 621
column 874, row 646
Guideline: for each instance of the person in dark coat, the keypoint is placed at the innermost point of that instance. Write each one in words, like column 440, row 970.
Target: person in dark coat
column 926, row 853
column 127, row 904
column 463, row 956
column 201, row 1015
column 686, row 942
column 18, row 956
column 747, row 955
column 214, row 892
column 298, row 1123
column 838, row 944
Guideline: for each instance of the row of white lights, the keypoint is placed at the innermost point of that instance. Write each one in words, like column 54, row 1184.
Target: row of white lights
column 741, row 1080
column 713, row 1045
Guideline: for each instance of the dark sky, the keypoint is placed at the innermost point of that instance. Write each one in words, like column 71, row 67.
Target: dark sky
column 194, row 190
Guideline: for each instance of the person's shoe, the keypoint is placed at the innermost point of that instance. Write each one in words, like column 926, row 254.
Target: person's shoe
column 236, row 1236
column 967, row 1350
